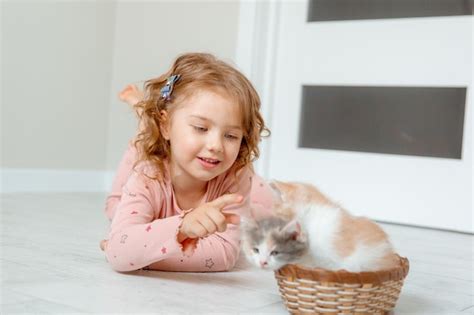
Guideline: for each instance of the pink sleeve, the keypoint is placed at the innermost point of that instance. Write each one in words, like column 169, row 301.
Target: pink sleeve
column 219, row 251
column 123, row 173
column 136, row 239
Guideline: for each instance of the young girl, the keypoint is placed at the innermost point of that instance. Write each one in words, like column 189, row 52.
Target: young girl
column 185, row 180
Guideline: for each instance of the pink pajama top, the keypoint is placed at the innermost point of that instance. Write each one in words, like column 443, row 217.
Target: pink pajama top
column 146, row 220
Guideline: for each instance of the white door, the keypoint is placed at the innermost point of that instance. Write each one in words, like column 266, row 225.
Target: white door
column 421, row 52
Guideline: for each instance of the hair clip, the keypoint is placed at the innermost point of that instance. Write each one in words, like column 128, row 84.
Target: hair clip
column 168, row 88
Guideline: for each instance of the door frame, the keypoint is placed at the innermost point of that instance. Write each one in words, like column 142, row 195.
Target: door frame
column 256, row 56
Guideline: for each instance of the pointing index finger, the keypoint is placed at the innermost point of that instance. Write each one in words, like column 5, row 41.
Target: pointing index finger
column 226, row 200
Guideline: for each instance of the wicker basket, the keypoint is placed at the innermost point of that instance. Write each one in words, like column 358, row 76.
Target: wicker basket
column 319, row 291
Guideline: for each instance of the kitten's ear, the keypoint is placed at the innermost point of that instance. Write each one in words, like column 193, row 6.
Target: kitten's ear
column 294, row 229
column 247, row 222
column 277, row 193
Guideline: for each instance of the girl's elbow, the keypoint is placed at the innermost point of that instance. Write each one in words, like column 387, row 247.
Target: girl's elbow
column 122, row 267
column 120, row 264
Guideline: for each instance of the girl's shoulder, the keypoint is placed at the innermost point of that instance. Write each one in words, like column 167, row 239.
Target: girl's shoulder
column 148, row 172
column 233, row 180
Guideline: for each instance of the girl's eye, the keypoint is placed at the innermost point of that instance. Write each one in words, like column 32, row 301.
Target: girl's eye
column 200, row 129
column 231, row 137
column 274, row 253
column 255, row 250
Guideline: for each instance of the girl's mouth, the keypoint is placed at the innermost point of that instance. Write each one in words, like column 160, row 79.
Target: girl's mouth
column 208, row 163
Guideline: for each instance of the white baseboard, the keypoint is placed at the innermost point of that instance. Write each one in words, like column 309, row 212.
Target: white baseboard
column 49, row 180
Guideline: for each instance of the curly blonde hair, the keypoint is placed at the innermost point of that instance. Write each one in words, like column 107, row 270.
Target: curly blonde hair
column 198, row 71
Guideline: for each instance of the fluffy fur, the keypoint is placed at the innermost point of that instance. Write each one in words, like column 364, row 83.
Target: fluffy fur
column 311, row 230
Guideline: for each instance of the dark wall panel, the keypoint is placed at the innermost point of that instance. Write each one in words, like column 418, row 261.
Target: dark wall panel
column 333, row 10
column 419, row 121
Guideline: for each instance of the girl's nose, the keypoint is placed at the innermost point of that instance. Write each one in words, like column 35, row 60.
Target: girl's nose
column 215, row 143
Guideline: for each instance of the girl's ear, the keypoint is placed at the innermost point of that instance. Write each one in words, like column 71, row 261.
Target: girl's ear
column 165, row 124
column 293, row 228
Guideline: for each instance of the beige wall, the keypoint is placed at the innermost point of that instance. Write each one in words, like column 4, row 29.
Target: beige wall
column 63, row 64
column 148, row 37
column 56, row 76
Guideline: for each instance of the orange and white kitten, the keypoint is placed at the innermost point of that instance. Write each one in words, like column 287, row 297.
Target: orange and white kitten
column 311, row 230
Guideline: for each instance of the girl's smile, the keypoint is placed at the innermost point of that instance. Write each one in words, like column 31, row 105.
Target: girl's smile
column 208, row 163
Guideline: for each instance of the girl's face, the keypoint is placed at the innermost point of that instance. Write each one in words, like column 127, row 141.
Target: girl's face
column 205, row 133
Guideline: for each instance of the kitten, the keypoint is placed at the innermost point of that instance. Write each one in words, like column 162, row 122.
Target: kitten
column 311, row 230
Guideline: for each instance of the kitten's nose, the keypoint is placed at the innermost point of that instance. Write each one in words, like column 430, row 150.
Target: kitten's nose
column 263, row 263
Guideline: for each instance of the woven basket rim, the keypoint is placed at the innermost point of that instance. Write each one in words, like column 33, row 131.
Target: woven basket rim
column 293, row 271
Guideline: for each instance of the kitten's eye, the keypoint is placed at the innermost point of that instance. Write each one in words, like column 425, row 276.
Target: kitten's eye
column 274, row 253
column 255, row 250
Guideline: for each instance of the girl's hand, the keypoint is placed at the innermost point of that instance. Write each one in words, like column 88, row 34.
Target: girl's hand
column 209, row 218
column 131, row 95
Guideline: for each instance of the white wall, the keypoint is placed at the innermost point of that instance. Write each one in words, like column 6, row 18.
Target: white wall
column 63, row 64
column 56, row 62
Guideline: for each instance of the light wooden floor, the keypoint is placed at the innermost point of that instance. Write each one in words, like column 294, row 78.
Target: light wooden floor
column 51, row 263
